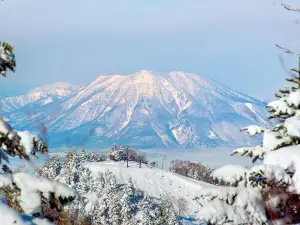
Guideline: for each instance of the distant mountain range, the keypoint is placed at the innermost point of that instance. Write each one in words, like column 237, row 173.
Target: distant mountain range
column 144, row 110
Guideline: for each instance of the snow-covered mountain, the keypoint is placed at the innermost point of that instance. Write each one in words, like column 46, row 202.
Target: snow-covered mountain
column 39, row 96
column 146, row 109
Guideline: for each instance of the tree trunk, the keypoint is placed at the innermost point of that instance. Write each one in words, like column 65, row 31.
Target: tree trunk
column 127, row 153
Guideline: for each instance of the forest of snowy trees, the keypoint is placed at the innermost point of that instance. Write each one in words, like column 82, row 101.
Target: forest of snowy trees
column 101, row 199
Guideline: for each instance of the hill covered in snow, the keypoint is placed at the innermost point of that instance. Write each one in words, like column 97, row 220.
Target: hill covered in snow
column 145, row 109
column 153, row 181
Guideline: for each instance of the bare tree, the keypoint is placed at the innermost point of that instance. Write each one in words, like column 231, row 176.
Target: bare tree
column 181, row 206
column 141, row 158
column 163, row 158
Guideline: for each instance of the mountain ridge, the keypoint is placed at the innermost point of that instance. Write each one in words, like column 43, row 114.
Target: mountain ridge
column 148, row 109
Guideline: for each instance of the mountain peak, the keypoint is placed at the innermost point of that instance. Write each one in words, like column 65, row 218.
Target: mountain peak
column 150, row 109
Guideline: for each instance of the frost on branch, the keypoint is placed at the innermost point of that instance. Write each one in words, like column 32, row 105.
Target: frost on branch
column 232, row 174
column 7, row 58
column 289, row 159
column 21, row 143
column 232, row 205
column 265, row 175
column 257, row 152
column 35, row 191
column 292, row 126
column 271, row 141
column 9, row 216
column 275, row 140
column 253, row 130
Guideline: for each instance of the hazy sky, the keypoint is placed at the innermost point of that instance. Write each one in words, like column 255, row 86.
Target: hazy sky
column 230, row 41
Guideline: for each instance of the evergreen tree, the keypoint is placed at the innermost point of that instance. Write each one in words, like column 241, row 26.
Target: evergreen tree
column 69, row 168
column 127, row 202
column 51, row 169
column 83, row 157
column 146, row 207
column 270, row 185
column 165, row 213
column 26, row 193
column 83, row 184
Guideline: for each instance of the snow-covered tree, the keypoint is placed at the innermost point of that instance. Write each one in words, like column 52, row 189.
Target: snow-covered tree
column 69, row 168
column 117, row 153
column 127, row 199
column 141, row 158
column 268, row 189
column 165, row 213
column 51, row 169
column 82, row 183
column 7, row 58
column 25, row 193
column 96, row 157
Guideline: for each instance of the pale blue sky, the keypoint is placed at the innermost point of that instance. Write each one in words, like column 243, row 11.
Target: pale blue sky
column 230, row 41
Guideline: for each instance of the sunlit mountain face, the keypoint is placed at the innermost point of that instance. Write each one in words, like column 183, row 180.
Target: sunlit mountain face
column 145, row 109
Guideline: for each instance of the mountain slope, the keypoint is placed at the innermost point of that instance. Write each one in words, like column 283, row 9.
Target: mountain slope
column 148, row 109
column 39, row 96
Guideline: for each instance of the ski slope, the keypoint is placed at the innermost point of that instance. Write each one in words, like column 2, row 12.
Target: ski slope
column 153, row 181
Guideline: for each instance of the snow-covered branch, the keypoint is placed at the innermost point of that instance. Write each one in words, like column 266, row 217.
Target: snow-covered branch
column 257, row 152
column 7, row 58
column 233, row 205
column 253, row 130
column 290, row 8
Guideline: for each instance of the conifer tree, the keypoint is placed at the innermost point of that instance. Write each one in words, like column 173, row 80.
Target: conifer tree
column 272, row 188
column 51, row 169
column 25, row 193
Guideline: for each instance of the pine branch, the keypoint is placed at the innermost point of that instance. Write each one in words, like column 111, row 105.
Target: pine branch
column 287, row 50
column 284, row 91
column 290, row 8
column 292, row 80
column 296, row 71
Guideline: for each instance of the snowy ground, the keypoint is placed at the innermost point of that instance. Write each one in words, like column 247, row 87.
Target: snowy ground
column 153, row 181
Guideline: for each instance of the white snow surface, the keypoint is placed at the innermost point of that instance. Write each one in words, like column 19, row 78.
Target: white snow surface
column 281, row 106
column 292, row 125
column 253, row 130
column 272, row 141
column 154, row 182
column 294, row 99
column 5, row 179
column 272, row 173
column 288, row 158
column 230, row 173
column 256, row 151
column 27, row 140
column 31, row 186
column 9, row 216
column 244, row 205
